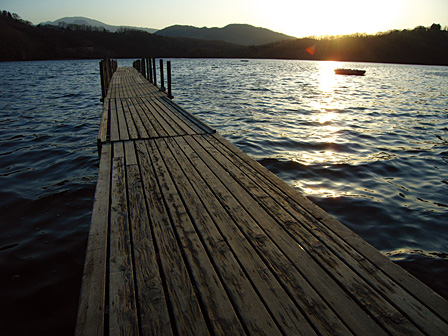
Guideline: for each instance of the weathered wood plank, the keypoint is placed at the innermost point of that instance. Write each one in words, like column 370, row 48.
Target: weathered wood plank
column 114, row 133
column 103, row 132
column 379, row 307
column 183, row 301
column 123, row 316
column 214, row 298
column 149, row 120
column 132, row 129
column 191, row 236
column 139, row 125
column 181, row 124
column 169, row 129
column 91, row 310
column 242, row 269
column 188, row 117
column 328, row 225
column 122, row 124
column 281, row 266
column 284, row 255
column 318, row 240
column 153, row 309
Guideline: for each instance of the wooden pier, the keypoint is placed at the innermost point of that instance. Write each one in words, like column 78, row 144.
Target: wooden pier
column 190, row 236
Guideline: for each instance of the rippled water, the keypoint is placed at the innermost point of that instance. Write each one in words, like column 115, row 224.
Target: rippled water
column 49, row 117
column 372, row 151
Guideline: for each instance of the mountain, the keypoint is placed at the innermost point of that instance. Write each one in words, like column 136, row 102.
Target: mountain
column 242, row 34
column 20, row 40
column 83, row 21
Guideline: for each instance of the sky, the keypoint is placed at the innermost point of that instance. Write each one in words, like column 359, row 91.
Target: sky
column 292, row 17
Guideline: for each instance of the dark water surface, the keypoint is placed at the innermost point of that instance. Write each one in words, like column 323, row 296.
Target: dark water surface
column 49, row 117
column 372, row 151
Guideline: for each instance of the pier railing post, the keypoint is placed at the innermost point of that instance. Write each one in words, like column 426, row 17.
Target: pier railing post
column 162, row 84
column 107, row 69
column 143, row 69
column 154, row 71
column 148, row 65
column 168, row 78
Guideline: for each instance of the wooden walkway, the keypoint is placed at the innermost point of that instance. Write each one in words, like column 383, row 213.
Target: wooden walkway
column 190, row 236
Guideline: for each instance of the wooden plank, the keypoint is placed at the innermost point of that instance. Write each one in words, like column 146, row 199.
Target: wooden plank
column 202, row 127
column 183, row 302
column 239, row 266
column 91, row 310
column 114, row 133
column 215, row 301
column 154, row 113
column 202, row 239
column 323, row 318
column 132, row 129
column 103, row 132
column 329, row 224
column 308, row 234
column 122, row 125
column 123, row 316
column 152, row 124
column 184, row 127
column 146, row 126
column 139, row 125
column 312, row 265
column 153, row 307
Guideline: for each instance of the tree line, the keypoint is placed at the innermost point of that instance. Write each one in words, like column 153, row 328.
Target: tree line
column 21, row 40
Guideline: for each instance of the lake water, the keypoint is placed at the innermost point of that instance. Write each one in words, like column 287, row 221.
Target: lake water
column 371, row 150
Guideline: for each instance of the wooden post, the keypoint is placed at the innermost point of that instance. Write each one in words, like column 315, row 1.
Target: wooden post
column 149, row 70
column 154, row 71
column 107, row 69
column 162, row 84
column 103, row 86
column 143, row 68
column 168, row 78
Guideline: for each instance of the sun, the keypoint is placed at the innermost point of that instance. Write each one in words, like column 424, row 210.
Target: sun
column 317, row 18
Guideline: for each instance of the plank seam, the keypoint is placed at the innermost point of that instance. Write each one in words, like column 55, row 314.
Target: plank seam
column 131, row 243
column 341, row 237
column 371, row 285
column 184, row 258
column 201, row 238
column 309, row 252
column 107, row 286
column 162, row 271
column 264, row 259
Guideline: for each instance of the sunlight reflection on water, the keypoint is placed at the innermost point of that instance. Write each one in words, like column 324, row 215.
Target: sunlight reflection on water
column 357, row 145
column 372, row 151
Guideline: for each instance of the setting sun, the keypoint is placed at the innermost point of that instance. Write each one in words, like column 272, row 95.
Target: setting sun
column 318, row 18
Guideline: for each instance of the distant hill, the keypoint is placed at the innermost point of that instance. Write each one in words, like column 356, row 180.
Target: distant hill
column 242, row 34
column 20, row 40
column 81, row 21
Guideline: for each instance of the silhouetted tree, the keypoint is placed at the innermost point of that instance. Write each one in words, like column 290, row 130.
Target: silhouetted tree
column 436, row 27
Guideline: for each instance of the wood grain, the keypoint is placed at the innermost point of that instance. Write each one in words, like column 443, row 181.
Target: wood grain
column 190, row 236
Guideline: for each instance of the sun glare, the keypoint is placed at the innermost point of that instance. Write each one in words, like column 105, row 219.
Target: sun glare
column 326, row 77
column 328, row 17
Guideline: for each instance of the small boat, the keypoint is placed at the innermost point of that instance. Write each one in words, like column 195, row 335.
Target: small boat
column 350, row 72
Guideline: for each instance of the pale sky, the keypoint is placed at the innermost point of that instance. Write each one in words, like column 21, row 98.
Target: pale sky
column 292, row 17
